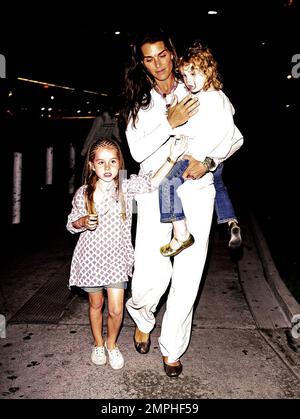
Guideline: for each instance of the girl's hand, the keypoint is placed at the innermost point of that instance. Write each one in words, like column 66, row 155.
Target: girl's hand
column 91, row 221
column 178, row 147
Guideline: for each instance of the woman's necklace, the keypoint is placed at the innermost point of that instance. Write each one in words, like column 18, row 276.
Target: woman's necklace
column 167, row 97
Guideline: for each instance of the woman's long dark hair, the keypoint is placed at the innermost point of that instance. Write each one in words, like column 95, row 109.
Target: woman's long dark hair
column 138, row 82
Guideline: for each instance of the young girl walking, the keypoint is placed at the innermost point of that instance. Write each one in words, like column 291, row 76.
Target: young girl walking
column 103, row 257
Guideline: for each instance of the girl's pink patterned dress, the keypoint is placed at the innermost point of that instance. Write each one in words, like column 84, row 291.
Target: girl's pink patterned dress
column 105, row 255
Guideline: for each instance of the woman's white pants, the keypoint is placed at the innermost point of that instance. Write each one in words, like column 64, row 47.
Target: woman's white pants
column 153, row 271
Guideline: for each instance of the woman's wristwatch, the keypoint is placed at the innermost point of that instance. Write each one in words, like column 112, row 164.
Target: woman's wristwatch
column 209, row 163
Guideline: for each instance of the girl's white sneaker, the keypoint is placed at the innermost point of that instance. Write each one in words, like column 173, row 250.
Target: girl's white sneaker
column 115, row 357
column 98, row 355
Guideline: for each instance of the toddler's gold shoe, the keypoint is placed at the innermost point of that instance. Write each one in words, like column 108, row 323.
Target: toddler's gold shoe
column 167, row 250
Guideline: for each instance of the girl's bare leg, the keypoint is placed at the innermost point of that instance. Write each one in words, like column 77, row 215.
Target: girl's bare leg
column 96, row 300
column 115, row 315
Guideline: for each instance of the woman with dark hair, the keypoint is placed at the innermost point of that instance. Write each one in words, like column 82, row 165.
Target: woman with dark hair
column 158, row 107
column 139, row 82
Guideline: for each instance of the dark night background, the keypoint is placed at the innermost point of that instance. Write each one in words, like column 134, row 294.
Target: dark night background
column 254, row 42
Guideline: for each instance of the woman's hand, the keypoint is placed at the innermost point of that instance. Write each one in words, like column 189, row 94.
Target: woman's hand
column 180, row 113
column 195, row 170
column 178, row 147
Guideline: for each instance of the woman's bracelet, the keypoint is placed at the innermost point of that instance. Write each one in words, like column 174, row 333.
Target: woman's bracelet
column 170, row 160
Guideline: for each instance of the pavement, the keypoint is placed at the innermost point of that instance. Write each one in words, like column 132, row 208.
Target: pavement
column 242, row 345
